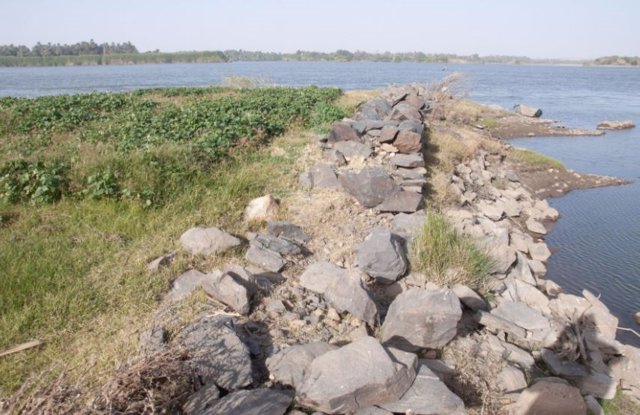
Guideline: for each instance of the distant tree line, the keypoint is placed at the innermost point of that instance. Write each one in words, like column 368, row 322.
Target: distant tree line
column 618, row 60
column 76, row 49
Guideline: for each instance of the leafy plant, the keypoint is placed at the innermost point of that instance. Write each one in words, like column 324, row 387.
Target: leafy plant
column 35, row 182
column 102, row 185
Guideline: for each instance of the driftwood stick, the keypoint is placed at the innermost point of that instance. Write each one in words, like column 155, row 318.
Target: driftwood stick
column 631, row 330
column 21, row 347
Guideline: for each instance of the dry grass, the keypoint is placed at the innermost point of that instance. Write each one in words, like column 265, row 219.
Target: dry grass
column 350, row 100
column 535, row 160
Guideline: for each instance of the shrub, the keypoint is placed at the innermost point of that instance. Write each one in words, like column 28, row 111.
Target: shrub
column 34, row 182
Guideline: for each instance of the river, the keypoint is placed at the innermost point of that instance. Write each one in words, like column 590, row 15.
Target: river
column 596, row 242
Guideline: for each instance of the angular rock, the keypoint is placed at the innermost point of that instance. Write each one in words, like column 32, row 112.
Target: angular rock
column 370, row 187
column 374, row 375
column 216, row 354
column 469, row 298
column 527, row 111
column 593, row 405
column 353, row 149
column 490, row 210
column 415, row 101
column 287, row 230
column 538, row 328
column 404, row 111
column 522, row 271
column 599, row 385
column 342, row 131
column 511, row 379
column 388, row 134
column 427, row 396
column 320, row 275
column 538, row 268
column 382, row 255
column 282, row 246
column 627, row 369
column 374, row 109
column 412, row 125
column 229, row 290
column 535, row 226
column 551, row 396
column 539, row 251
column 185, row 284
column 334, row 157
column 419, row 318
column 253, row 402
column 201, row 401
column 371, row 410
column 600, row 316
column 521, row 241
column 518, row 291
column 402, row 201
column 288, row 366
column 323, row 177
column 162, row 261
column 563, row 368
column 207, row 241
column 265, row 258
column 408, row 223
column 408, row 160
column 261, row 209
column 503, row 256
column 408, row 142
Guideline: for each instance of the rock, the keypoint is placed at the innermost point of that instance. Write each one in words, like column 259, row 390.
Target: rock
column 370, row 187
column 408, row 223
column 374, row 109
column 419, row 319
column 207, row 241
column 216, row 354
column 229, row 290
column 627, row 369
column 162, row 261
column 593, row 405
column 539, row 251
column 265, row 258
column 417, row 173
column 520, row 242
column 323, row 177
column 599, row 385
column 538, row 268
column 281, row 246
column 408, row 160
column 353, row 149
column 528, row 111
column 469, row 298
column 535, row 226
column 510, row 353
column 402, row 201
column 287, row 230
column 551, row 288
column 372, row 410
column 615, row 125
column 522, row 271
column 537, row 327
column 342, row 289
column 518, row 291
column 503, row 256
column 185, row 284
column 551, row 396
column 563, row 368
column 382, row 255
column 388, row 134
column 261, row 209
column 511, row 379
column 289, row 365
column 600, row 316
column 341, row 131
column 415, row 101
column 388, row 148
column 374, row 375
column 412, row 125
column 261, row 401
column 408, row 142
column 153, row 340
column 636, row 317
column 201, row 401
column 404, row 111
column 490, row 210
column 334, row 157
column 426, row 396
column 305, row 180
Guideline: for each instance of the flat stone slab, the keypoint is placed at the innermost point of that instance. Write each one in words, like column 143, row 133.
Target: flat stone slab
column 202, row 400
column 407, row 160
column 370, row 187
column 402, row 201
column 207, row 241
column 253, row 402
column 551, row 396
column 185, row 284
column 408, row 142
column 287, row 230
column 323, row 177
column 418, row 318
column 427, row 396
column 356, row 376
column 265, row 258
column 353, row 149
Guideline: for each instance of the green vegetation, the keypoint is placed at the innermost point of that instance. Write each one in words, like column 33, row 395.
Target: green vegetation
column 94, row 186
column 618, row 60
column 445, row 257
column 489, row 122
column 535, row 160
column 620, row 405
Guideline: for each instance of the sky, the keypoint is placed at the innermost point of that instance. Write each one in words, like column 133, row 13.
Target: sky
column 569, row 29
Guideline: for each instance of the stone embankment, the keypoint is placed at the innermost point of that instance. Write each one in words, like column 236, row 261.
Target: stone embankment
column 330, row 317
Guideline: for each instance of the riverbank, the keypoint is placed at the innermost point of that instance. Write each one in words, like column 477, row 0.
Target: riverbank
column 309, row 294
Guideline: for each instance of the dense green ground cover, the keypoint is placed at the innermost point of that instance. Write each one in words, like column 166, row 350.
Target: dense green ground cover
column 94, row 186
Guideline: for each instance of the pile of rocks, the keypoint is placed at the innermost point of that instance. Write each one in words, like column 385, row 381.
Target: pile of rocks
column 283, row 344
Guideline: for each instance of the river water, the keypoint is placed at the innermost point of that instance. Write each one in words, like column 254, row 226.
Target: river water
column 596, row 242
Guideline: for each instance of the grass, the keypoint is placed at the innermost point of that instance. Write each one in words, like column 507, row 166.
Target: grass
column 488, row 122
column 620, row 405
column 445, row 257
column 74, row 270
column 535, row 160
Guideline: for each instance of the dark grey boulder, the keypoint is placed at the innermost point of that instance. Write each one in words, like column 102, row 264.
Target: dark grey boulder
column 370, row 187
column 408, row 142
column 207, row 241
column 357, row 376
column 388, row 134
column 373, row 124
column 287, row 230
column 216, row 354
column 382, row 255
column 342, row 131
column 403, row 111
column 202, row 400
column 289, row 366
column 334, row 157
column 261, row 401
column 418, row 319
column 282, row 246
column 412, row 125
column 185, row 284
column 353, row 149
column 323, row 176
column 402, row 201
column 374, row 109
column 265, row 258
column 408, row 160
column 428, row 395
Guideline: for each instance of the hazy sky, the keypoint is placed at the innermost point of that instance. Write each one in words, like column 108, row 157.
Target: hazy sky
column 536, row 28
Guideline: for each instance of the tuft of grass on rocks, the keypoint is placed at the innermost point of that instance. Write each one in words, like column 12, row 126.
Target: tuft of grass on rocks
column 620, row 405
column 445, row 257
column 535, row 160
